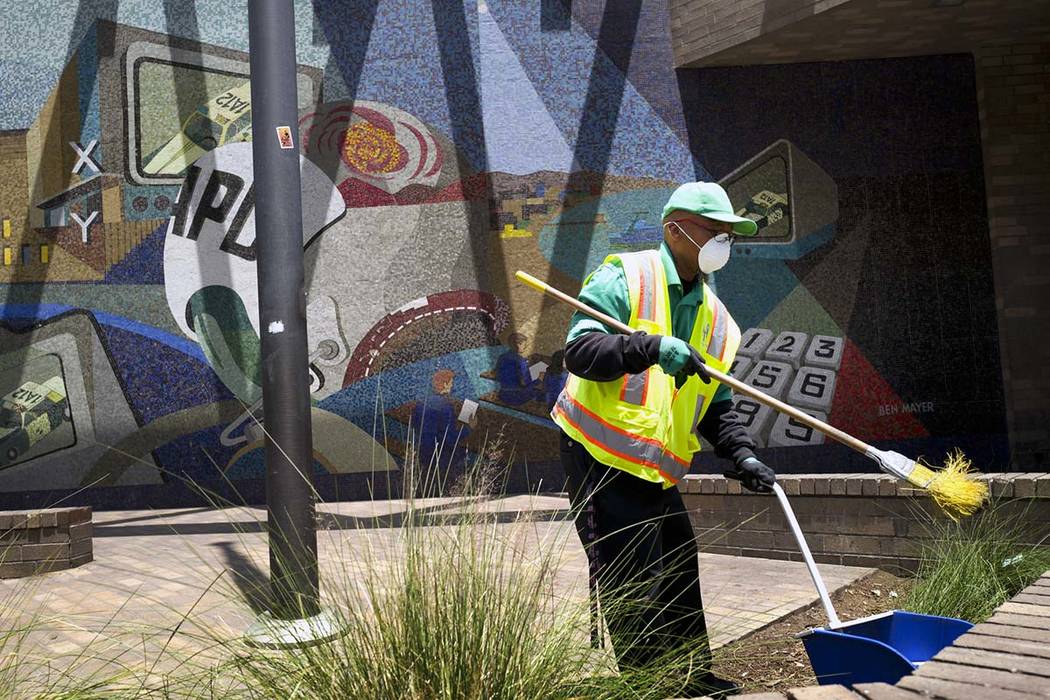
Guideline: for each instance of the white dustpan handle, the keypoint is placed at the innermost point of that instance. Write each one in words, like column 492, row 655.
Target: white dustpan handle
column 833, row 619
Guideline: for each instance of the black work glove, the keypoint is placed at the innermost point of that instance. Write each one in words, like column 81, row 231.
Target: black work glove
column 753, row 474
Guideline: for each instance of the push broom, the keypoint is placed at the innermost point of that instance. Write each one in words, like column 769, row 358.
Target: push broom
column 953, row 488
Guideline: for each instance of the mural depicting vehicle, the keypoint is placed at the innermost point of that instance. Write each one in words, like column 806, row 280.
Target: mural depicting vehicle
column 638, row 234
column 28, row 415
column 765, row 208
column 226, row 118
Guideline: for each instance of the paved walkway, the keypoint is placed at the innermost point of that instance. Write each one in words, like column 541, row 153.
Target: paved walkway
column 151, row 568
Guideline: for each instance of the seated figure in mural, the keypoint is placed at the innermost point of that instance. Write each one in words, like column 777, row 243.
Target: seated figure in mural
column 554, row 378
column 441, row 437
column 516, row 385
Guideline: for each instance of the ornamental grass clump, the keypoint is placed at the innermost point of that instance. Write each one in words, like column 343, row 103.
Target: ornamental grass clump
column 969, row 568
column 453, row 603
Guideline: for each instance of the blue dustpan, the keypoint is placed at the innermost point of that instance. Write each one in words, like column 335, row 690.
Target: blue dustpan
column 878, row 649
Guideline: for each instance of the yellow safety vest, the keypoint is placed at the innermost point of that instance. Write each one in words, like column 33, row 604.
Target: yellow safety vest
column 641, row 423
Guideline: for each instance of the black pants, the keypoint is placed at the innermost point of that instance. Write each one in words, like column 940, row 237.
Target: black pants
column 643, row 557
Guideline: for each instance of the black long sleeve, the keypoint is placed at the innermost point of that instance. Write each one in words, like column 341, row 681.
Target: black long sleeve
column 722, row 428
column 602, row 357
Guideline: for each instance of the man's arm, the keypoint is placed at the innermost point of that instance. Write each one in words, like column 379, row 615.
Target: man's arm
column 721, row 427
column 602, row 357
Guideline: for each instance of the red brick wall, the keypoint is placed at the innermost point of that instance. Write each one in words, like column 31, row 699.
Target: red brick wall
column 850, row 519
column 34, row 542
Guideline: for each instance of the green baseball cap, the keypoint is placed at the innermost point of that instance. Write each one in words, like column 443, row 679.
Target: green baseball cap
column 710, row 200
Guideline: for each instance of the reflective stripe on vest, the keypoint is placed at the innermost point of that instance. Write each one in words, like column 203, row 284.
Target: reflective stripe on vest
column 700, row 401
column 648, row 278
column 635, row 388
column 716, row 347
column 638, row 449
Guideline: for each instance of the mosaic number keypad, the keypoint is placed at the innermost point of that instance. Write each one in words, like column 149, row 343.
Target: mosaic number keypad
column 797, row 368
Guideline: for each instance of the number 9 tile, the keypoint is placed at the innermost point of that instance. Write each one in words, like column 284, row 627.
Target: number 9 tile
column 789, row 432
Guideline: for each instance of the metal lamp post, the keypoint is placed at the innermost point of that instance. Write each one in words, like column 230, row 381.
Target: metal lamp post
column 295, row 617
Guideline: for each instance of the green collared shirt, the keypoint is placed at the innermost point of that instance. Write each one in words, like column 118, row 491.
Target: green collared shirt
column 606, row 290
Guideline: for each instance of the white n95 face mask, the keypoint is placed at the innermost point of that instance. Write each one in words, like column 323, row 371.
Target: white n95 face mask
column 713, row 255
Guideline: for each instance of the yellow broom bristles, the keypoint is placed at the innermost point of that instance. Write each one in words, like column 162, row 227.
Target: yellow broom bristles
column 953, row 488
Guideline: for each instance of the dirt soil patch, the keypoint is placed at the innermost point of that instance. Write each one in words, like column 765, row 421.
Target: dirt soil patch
column 771, row 659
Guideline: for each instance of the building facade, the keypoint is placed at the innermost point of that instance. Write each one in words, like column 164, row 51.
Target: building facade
column 889, row 157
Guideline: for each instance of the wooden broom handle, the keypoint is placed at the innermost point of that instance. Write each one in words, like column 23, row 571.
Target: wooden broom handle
column 736, row 384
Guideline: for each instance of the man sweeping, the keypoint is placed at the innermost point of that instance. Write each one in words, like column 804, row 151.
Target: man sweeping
column 631, row 413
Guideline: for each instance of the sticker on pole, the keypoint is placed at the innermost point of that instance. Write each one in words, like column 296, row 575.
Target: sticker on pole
column 284, row 137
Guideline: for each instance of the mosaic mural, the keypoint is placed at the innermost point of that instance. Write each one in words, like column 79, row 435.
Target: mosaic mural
column 441, row 149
